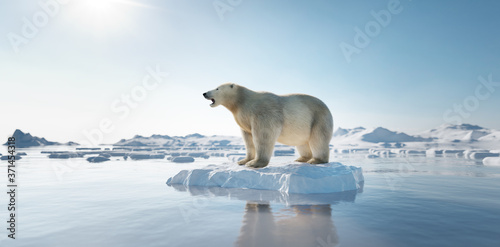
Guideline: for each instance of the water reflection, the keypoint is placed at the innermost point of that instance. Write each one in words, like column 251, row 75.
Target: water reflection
column 270, row 196
column 308, row 225
column 305, row 221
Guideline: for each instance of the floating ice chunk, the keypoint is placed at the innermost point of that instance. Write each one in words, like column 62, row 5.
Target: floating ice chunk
column 453, row 151
column 491, row 161
column 284, row 152
column 468, row 153
column 415, row 152
column 388, row 153
column 64, row 155
column 97, row 159
column 433, row 152
column 183, row 159
column 144, row 156
column 6, row 157
column 288, row 178
column 371, row 156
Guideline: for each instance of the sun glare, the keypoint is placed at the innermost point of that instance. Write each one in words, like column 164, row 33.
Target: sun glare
column 104, row 16
column 98, row 6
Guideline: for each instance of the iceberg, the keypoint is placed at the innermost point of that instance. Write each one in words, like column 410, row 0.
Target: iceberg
column 293, row 178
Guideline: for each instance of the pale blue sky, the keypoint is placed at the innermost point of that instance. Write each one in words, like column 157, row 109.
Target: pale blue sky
column 68, row 76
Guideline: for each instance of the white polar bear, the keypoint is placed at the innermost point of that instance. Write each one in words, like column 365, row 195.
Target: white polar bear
column 295, row 119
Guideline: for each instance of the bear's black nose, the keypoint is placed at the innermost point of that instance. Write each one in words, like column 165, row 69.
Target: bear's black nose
column 205, row 95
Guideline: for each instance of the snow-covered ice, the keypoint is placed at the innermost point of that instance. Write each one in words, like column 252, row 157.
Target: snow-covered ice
column 433, row 152
column 468, row 153
column 287, row 178
column 491, row 161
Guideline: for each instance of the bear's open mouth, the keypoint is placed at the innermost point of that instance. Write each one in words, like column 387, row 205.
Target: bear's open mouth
column 213, row 101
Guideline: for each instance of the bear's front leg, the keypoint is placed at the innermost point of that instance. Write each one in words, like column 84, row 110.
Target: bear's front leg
column 257, row 163
column 247, row 137
column 264, row 138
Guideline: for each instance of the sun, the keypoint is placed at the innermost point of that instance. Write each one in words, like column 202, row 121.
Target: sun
column 98, row 6
column 102, row 12
column 105, row 17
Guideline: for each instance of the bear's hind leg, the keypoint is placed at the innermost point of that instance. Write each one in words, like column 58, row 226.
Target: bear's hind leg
column 321, row 134
column 247, row 137
column 305, row 153
column 321, row 153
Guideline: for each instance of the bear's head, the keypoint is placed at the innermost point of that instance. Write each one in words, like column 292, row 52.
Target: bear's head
column 225, row 95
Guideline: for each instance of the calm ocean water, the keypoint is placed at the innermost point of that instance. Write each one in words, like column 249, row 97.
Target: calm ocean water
column 414, row 201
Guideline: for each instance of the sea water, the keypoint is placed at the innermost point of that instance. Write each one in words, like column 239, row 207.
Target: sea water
column 404, row 201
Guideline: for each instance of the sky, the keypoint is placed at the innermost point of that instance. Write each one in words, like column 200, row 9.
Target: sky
column 101, row 70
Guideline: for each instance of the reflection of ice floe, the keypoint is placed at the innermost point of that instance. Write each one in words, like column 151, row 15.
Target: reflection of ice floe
column 296, row 226
column 287, row 178
column 270, row 195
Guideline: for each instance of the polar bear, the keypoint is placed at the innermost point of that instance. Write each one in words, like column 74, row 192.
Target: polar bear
column 295, row 119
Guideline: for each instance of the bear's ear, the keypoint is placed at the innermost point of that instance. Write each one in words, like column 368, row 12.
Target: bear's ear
column 232, row 85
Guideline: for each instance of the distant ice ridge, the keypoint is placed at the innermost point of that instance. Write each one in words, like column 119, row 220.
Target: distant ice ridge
column 287, row 178
column 463, row 136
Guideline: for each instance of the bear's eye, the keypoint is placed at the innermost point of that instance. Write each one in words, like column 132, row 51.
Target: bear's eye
column 217, row 89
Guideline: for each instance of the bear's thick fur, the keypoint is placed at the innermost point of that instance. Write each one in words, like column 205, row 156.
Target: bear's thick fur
column 295, row 119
